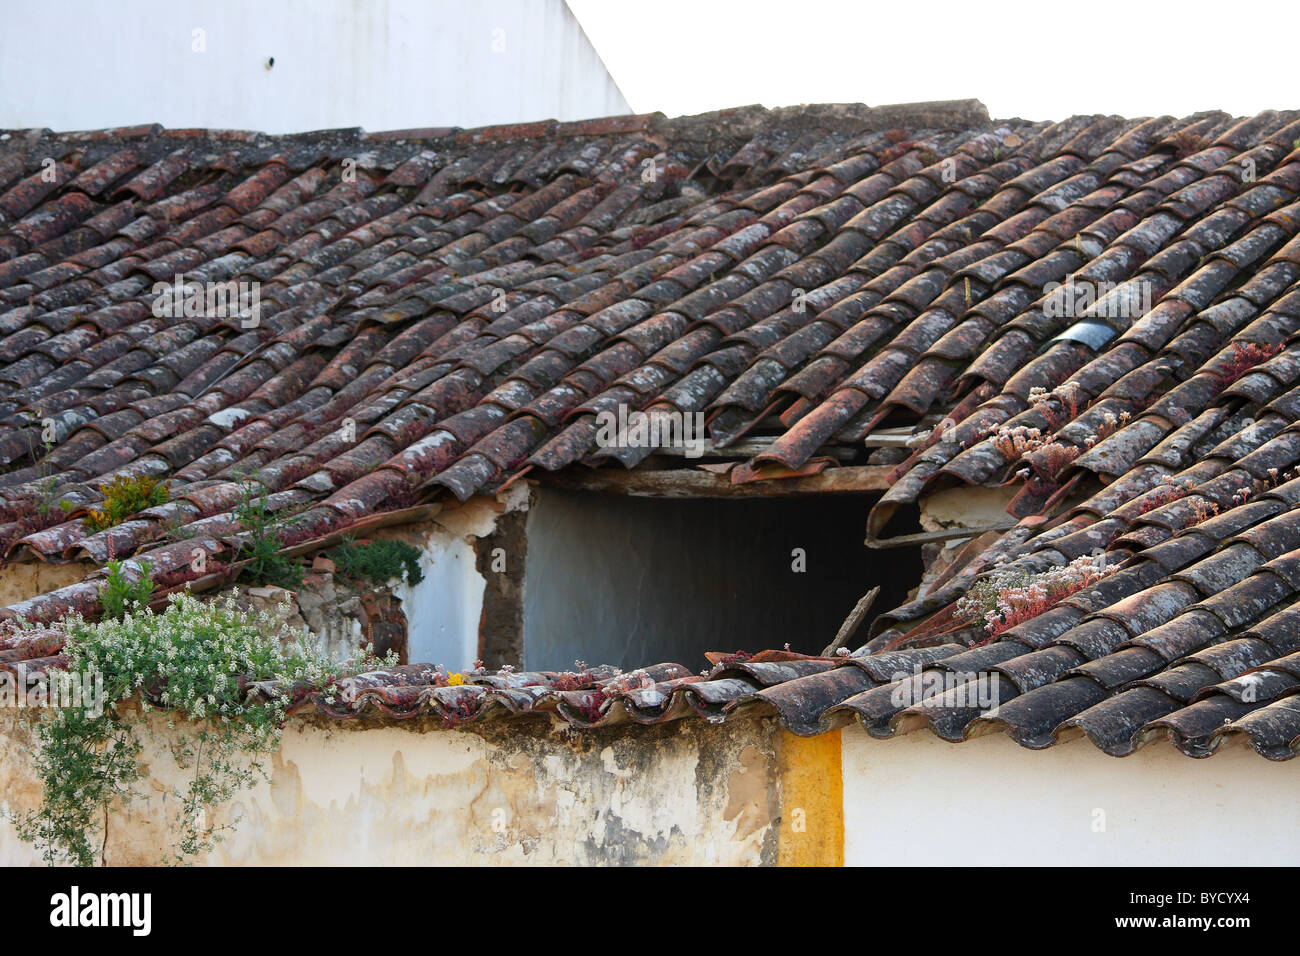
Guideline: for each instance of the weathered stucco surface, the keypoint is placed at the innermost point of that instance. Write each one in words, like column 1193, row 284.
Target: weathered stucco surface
column 468, row 605
column 26, row 579
column 445, row 610
column 687, row 792
column 953, row 509
column 339, row 793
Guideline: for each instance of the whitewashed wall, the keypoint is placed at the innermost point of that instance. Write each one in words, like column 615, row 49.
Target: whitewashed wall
column 443, row 611
column 919, row 801
column 378, row 64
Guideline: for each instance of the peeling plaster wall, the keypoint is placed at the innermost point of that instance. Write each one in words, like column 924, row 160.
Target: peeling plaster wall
column 921, row 801
column 966, row 506
column 686, row 793
column 691, row 793
column 444, row 611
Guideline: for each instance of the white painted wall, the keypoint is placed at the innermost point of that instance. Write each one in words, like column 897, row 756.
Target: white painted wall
column 919, row 801
column 378, row 64
column 443, row 610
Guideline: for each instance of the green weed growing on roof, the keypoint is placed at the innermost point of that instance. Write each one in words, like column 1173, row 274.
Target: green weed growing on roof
column 263, row 540
column 122, row 594
column 379, row 561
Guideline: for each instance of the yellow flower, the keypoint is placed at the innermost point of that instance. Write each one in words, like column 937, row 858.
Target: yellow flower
column 454, row 680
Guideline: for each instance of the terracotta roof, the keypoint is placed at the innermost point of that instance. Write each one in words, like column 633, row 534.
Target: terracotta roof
column 809, row 275
column 463, row 299
column 1241, row 688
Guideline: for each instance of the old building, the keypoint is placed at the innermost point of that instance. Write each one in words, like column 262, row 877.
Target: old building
column 998, row 441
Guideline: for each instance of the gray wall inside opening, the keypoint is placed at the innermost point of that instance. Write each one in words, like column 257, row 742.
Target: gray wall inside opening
column 635, row 581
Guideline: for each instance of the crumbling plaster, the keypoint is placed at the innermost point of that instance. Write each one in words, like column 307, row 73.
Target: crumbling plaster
column 952, row 510
column 26, row 579
column 685, row 793
column 966, row 506
column 444, row 610
column 441, row 618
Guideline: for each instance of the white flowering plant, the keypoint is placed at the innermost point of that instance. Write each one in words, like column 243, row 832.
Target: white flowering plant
column 196, row 660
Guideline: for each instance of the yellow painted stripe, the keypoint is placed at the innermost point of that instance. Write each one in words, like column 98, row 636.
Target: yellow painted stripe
column 812, row 800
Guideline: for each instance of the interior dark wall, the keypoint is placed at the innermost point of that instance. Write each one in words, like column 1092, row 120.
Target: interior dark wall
column 633, row 581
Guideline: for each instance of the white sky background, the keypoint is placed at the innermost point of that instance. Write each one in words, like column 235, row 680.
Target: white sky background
column 1038, row 60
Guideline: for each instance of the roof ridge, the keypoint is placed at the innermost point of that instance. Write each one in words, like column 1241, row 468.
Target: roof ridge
column 737, row 121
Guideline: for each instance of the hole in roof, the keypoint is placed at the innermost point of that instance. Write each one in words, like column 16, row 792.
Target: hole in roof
column 631, row 581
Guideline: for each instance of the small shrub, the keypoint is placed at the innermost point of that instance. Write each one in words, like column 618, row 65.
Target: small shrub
column 121, row 595
column 1013, row 441
column 262, row 542
column 1109, row 424
column 1051, row 459
column 1169, row 489
column 982, row 597
column 379, row 561
column 1203, row 510
column 1245, row 356
column 1185, row 143
column 46, row 495
column 1045, row 402
column 574, row 680
column 1275, row 479
column 124, row 496
column 592, row 703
